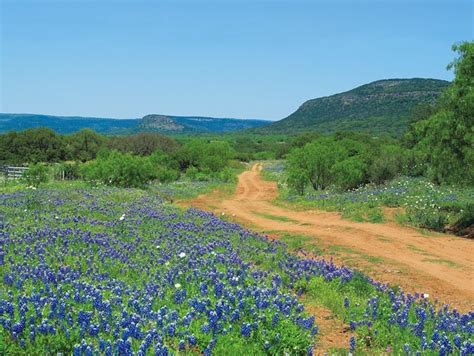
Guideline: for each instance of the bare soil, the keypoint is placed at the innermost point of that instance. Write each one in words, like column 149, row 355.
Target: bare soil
column 441, row 265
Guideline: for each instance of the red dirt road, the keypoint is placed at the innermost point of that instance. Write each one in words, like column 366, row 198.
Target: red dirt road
column 439, row 264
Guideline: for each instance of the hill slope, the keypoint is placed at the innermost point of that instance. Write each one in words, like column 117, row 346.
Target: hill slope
column 381, row 106
column 156, row 123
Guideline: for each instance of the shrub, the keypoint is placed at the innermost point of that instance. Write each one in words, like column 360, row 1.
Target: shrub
column 349, row 174
column 119, row 169
column 464, row 223
column 297, row 181
column 227, row 175
column 427, row 218
column 192, row 172
column 164, row 174
column 387, row 165
column 211, row 156
column 68, row 171
column 36, row 174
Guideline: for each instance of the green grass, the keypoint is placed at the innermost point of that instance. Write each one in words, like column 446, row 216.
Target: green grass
column 296, row 242
column 187, row 189
column 442, row 261
column 275, row 217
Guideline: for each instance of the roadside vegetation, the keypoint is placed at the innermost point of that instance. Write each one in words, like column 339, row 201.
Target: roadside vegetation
column 416, row 201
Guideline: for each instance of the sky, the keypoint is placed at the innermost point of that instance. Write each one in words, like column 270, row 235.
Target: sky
column 243, row 59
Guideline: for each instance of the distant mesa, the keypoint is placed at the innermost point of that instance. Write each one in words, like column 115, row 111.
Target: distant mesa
column 159, row 123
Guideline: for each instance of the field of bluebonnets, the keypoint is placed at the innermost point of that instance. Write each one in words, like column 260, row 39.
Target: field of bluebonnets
column 112, row 271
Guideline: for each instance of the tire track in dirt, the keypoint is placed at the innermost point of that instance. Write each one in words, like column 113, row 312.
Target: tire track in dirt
column 439, row 264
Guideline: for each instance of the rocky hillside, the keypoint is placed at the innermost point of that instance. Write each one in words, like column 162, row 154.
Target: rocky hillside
column 194, row 124
column 384, row 106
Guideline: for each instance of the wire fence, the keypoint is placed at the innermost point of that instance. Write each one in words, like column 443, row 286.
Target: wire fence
column 13, row 172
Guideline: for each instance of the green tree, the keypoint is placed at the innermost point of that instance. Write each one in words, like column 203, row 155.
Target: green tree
column 314, row 162
column 84, row 144
column 388, row 163
column 119, row 169
column 208, row 157
column 445, row 140
column 143, row 143
column 36, row 174
column 349, row 173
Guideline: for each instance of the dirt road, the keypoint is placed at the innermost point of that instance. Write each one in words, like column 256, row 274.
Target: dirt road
column 438, row 264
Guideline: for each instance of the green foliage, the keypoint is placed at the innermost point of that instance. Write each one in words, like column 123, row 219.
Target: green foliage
column 166, row 169
column 296, row 177
column 313, row 163
column 349, row 173
column 36, row 174
column 390, row 162
column 32, row 146
column 342, row 161
column 84, row 144
column 119, row 169
column 143, row 143
column 444, row 142
column 422, row 112
column 71, row 170
column 227, row 175
column 426, row 218
column 206, row 157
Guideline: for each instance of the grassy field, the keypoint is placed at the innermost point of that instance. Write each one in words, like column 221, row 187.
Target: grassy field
column 121, row 271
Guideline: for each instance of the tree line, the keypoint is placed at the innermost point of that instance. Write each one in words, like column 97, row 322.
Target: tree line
column 44, row 145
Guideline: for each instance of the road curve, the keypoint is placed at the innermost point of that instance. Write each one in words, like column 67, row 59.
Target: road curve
column 439, row 264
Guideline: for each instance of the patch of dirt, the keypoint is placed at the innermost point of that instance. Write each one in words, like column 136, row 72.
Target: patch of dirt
column 395, row 249
column 332, row 333
column 390, row 214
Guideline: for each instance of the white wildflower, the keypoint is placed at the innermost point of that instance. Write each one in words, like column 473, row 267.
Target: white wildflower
column 182, row 255
column 177, row 285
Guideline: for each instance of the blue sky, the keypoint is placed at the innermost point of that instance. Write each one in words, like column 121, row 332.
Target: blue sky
column 245, row 59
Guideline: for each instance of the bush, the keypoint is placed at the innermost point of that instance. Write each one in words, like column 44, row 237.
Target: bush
column 119, row 169
column 192, row 173
column 69, row 171
column 165, row 175
column 204, row 156
column 464, row 224
column 428, row 218
column 387, row 165
column 36, row 174
column 227, row 175
column 297, row 181
column 349, row 174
